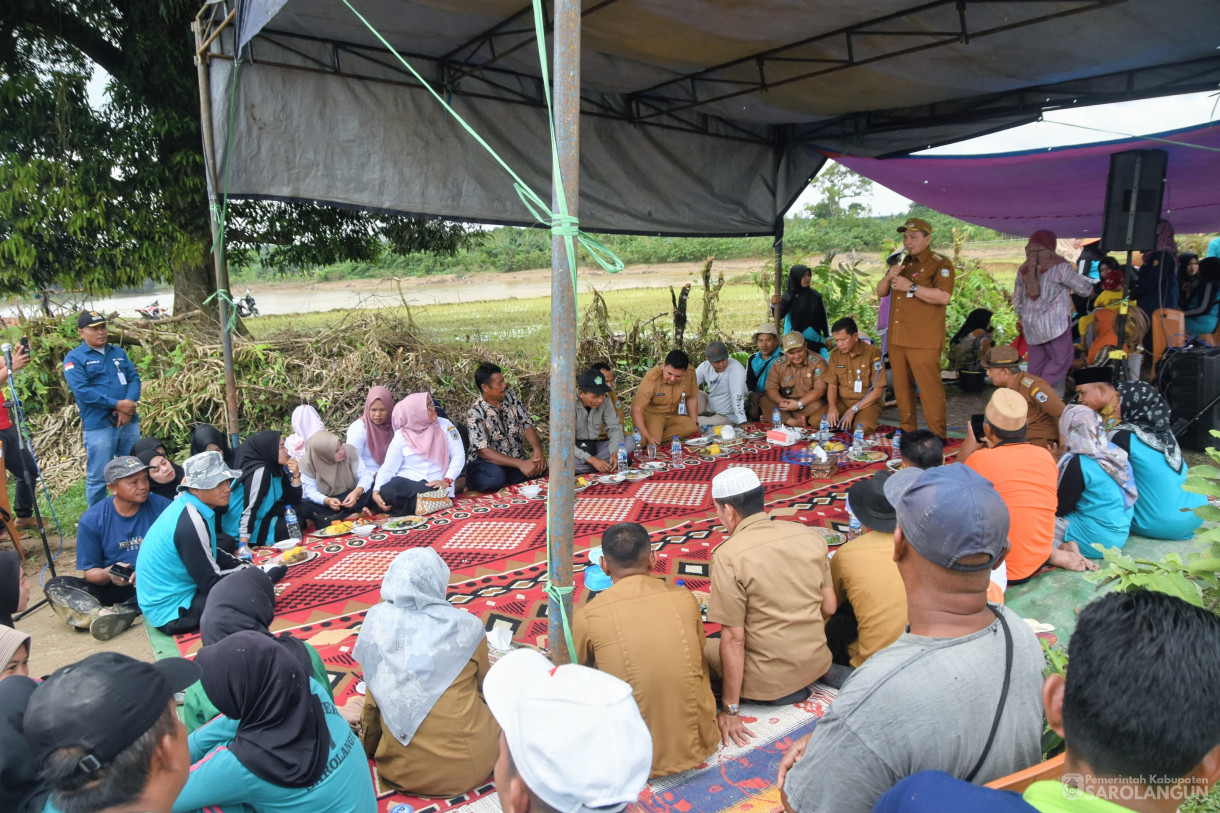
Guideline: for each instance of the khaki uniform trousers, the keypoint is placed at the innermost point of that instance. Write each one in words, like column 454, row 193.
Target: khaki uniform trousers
column 867, row 417
column 920, row 365
column 665, row 426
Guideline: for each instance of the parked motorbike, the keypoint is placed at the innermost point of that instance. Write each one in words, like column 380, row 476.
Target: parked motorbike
column 246, row 307
column 153, row 311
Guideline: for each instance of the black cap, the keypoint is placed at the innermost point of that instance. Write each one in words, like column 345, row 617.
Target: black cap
column 101, row 704
column 592, row 380
column 89, row 319
column 1093, row 375
column 869, row 503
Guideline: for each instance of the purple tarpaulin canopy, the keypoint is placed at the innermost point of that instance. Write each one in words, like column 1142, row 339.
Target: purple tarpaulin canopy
column 1061, row 188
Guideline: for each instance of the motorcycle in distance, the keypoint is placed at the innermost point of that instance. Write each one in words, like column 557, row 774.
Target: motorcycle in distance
column 153, row 311
column 246, row 307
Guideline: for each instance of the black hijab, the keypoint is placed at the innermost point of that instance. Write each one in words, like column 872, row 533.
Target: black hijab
column 149, row 445
column 245, row 601
column 205, row 433
column 803, row 305
column 282, row 736
column 10, row 585
column 167, row 490
column 977, row 319
column 260, row 450
column 20, row 789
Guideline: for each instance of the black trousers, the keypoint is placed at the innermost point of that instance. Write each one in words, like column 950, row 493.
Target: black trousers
column 399, row 493
column 188, row 617
column 17, row 461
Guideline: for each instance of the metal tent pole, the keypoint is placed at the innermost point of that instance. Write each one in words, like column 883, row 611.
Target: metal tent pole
column 218, row 256
column 562, row 499
column 778, row 247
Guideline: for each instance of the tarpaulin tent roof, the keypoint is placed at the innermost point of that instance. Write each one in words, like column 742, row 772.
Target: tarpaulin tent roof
column 1060, row 188
column 698, row 117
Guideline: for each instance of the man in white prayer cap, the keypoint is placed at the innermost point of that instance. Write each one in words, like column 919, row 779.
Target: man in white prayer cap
column 772, row 594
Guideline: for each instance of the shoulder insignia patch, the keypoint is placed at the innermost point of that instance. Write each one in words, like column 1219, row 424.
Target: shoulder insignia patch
column 453, row 433
column 1027, row 382
column 1040, row 397
column 817, row 371
column 877, row 365
column 944, row 272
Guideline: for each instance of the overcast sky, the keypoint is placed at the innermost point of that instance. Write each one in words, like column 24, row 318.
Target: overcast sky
column 1122, row 120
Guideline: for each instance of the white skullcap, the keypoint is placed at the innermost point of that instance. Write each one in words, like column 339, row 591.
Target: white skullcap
column 734, row 481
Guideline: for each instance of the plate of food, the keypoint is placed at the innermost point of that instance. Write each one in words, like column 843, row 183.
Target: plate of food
column 582, row 483
column 631, row 475
column 403, row 523
column 699, row 443
column 832, row 537
column 653, row 465
column 335, row 529
column 833, row 447
column 867, row 456
column 610, row 479
column 893, row 465
column 295, row 556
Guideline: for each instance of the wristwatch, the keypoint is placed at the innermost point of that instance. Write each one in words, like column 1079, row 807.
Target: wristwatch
column 800, row 405
column 914, row 288
column 732, row 709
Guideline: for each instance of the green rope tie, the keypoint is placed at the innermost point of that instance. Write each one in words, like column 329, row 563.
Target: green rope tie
column 231, row 324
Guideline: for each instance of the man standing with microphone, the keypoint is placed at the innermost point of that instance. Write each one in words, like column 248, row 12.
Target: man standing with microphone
column 106, row 386
column 16, row 458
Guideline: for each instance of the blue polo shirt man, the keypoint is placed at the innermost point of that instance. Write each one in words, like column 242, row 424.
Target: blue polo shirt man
column 106, row 386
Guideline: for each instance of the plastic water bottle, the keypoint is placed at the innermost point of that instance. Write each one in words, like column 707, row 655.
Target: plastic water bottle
column 824, row 430
column 896, row 452
column 243, row 552
column 294, row 527
column 682, row 405
column 854, row 528
column 857, row 441
column 639, row 439
column 622, row 457
column 776, row 422
column 675, row 450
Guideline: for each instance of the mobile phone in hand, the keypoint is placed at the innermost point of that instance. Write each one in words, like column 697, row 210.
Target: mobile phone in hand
column 25, row 344
column 123, row 570
column 976, row 426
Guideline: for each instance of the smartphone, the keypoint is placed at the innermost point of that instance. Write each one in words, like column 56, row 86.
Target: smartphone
column 123, row 570
column 976, row 426
column 25, row 343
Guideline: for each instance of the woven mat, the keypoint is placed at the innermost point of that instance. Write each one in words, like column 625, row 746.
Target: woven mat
column 495, row 546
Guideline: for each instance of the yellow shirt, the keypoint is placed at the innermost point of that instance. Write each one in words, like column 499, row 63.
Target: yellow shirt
column 866, row 577
column 650, row 634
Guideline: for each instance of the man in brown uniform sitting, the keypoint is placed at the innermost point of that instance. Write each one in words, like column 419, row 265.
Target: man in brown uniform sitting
column 922, row 287
column 667, row 401
column 797, row 384
column 856, row 380
column 772, row 594
column 650, row 634
column 1045, row 406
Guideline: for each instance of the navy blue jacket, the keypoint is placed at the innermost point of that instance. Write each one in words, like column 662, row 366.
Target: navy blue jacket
column 96, row 378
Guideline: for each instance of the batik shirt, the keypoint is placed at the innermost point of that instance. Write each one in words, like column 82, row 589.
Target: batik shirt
column 500, row 429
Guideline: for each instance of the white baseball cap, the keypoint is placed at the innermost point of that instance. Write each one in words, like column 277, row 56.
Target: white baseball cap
column 733, row 481
column 575, row 734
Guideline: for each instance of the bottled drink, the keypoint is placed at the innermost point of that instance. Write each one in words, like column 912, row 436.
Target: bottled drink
column 680, row 582
column 896, row 452
column 639, row 439
column 294, row 527
column 824, row 430
column 682, row 405
column 776, row 422
column 857, row 440
column 243, row 552
column 622, row 457
column 675, row 450
column 854, row 528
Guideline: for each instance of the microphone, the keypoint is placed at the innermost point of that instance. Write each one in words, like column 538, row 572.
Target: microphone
column 8, row 356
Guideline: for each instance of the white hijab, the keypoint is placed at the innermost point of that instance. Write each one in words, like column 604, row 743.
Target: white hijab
column 415, row 643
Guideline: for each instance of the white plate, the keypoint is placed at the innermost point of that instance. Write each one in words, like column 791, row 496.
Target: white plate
column 653, row 465
column 610, row 479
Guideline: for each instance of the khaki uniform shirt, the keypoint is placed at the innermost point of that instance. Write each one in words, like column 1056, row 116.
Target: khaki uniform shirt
column 913, row 322
column 597, row 423
column 857, row 373
column 866, row 577
column 787, row 380
column 659, row 398
column 1045, row 409
column 453, row 750
column 612, row 397
column 768, row 577
column 650, row 634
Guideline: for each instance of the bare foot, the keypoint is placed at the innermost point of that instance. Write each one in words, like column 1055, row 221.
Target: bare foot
column 1069, row 559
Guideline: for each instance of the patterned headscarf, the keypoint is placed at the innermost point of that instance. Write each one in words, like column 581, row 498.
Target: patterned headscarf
column 1040, row 257
column 1082, row 434
column 306, row 422
column 1144, row 412
column 1166, row 239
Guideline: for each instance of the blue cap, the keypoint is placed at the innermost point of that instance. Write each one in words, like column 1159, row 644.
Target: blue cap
column 596, row 579
column 950, row 512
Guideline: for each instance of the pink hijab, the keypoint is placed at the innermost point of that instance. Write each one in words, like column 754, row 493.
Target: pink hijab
column 377, row 438
column 424, row 436
column 305, row 422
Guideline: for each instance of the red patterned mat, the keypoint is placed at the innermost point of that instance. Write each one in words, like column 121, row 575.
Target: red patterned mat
column 495, row 544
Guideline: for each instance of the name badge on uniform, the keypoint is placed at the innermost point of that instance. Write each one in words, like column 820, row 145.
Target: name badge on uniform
column 119, row 371
column 859, row 387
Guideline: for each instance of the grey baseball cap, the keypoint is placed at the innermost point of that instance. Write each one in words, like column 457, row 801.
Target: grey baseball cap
column 717, row 351
column 206, row 470
column 123, row 466
column 948, row 513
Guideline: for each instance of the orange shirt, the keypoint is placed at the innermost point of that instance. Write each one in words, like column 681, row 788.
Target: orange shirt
column 1027, row 479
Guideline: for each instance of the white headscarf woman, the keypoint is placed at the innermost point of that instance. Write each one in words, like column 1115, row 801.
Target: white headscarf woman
column 414, row 644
